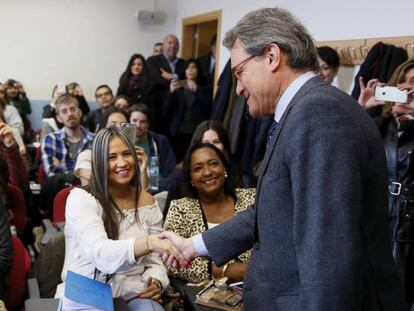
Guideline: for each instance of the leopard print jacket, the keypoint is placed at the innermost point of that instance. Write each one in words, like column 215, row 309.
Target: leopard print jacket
column 185, row 218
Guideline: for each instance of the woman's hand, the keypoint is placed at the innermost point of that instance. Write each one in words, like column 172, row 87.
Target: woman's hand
column 174, row 85
column 6, row 135
column 367, row 96
column 153, row 290
column 191, row 85
column 406, row 108
column 164, row 247
column 142, row 159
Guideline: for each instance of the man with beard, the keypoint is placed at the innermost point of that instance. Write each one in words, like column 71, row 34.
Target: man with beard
column 61, row 148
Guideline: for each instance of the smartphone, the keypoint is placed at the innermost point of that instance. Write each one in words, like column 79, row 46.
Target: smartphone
column 181, row 83
column 390, row 94
column 131, row 130
column 61, row 88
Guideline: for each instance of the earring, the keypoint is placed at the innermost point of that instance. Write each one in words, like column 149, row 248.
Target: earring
column 192, row 184
column 225, row 174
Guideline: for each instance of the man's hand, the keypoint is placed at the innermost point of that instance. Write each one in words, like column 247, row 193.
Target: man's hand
column 185, row 246
column 167, row 75
column 6, row 134
column 367, row 96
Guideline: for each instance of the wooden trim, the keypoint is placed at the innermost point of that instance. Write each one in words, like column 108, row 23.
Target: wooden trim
column 198, row 19
column 206, row 17
column 353, row 52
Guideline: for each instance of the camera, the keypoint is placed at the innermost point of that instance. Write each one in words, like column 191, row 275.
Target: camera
column 390, row 94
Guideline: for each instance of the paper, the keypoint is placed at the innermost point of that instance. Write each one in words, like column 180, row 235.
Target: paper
column 86, row 291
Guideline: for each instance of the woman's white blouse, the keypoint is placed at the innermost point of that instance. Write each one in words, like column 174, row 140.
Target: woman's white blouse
column 88, row 247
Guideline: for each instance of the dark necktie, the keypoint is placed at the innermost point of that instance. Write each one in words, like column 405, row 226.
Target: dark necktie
column 270, row 133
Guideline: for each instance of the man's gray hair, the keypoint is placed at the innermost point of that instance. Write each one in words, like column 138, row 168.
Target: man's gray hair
column 259, row 28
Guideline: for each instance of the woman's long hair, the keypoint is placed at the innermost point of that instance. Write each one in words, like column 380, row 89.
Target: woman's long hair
column 123, row 81
column 397, row 77
column 191, row 191
column 99, row 185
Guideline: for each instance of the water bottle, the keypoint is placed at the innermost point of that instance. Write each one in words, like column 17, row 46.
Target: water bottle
column 154, row 171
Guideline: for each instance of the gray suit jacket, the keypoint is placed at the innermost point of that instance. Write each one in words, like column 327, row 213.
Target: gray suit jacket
column 319, row 224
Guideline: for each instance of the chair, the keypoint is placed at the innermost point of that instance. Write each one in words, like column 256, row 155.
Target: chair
column 59, row 205
column 17, row 276
column 15, row 203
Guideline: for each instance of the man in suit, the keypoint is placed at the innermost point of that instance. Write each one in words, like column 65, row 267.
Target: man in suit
column 318, row 228
column 163, row 68
column 208, row 63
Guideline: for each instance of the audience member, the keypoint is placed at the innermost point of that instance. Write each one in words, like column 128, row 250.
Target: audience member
column 14, row 168
column 211, row 199
column 153, row 144
column 328, row 60
column 136, row 83
column 163, row 68
column 208, row 64
column 10, row 113
column 396, row 125
column 61, row 148
column 157, row 48
column 16, row 97
column 75, row 90
column 16, row 134
column 104, row 98
column 111, row 227
column 188, row 104
column 6, row 246
column 113, row 116
column 50, row 123
column 123, row 102
column 212, row 132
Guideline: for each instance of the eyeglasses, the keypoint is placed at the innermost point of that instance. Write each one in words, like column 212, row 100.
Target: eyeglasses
column 239, row 68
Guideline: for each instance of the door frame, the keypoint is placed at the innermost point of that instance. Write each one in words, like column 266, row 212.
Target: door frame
column 187, row 40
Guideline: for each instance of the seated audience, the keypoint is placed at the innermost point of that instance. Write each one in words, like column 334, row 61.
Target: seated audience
column 153, row 144
column 211, row 199
column 188, row 104
column 111, row 227
column 328, row 60
column 396, row 126
column 104, row 99
column 163, row 68
column 16, row 97
column 10, row 113
column 61, row 148
column 135, row 82
column 211, row 132
column 123, row 102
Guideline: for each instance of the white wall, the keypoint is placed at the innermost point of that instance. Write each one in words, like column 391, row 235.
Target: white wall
column 43, row 42
column 325, row 19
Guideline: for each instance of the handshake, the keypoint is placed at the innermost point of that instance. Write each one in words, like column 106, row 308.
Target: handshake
column 174, row 250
